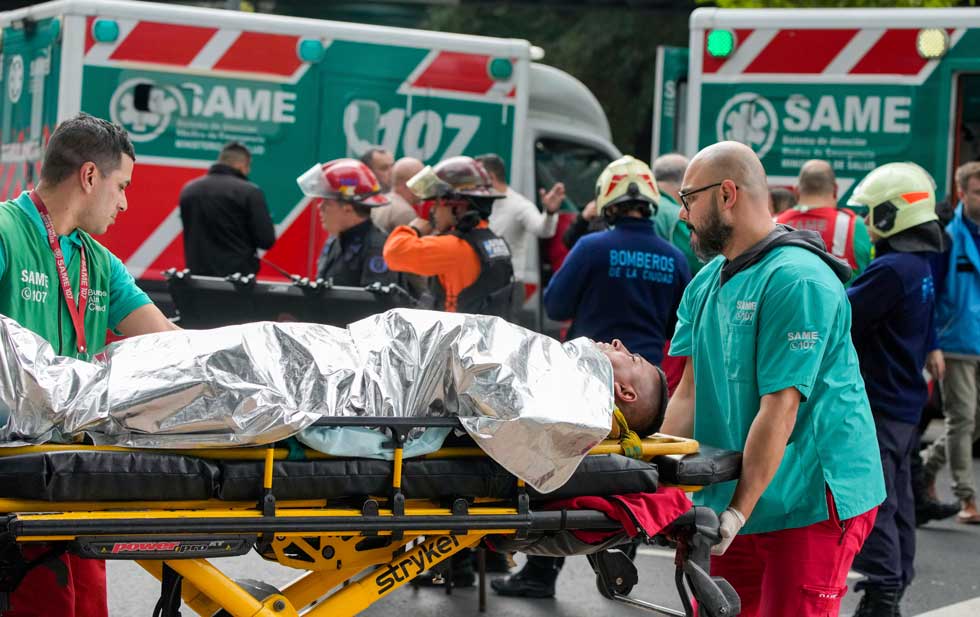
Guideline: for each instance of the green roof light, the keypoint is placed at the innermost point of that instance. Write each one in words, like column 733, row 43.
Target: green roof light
column 105, row 30
column 500, row 69
column 721, row 43
column 310, row 50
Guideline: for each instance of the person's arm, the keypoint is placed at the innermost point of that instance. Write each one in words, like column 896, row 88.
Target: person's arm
column 872, row 295
column 764, row 447
column 145, row 320
column 406, row 250
column 260, row 222
column 563, row 294
column 862, row 246
column 537, row 223
column 679, row 417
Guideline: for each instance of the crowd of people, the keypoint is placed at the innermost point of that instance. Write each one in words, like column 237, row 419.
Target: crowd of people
column 785, row 325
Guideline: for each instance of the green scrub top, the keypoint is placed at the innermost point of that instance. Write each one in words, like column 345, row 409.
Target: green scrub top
column 783, row 322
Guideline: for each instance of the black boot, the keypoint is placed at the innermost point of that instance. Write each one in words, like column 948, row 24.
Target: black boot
column 932, row 510
column 535, row 580
column 879, row 603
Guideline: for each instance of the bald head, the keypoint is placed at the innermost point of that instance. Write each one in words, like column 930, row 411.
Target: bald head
column 668, row 171
column 401, row 172
column 728, row 200
column 734, row 160
column 817, row 184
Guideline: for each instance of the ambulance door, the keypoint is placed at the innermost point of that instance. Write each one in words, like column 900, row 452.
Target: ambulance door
column 29, row 65
column 669, row 101
column 577, row 163
column 966, row 128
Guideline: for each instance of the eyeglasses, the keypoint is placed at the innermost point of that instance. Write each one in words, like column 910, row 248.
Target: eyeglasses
column 685, row 194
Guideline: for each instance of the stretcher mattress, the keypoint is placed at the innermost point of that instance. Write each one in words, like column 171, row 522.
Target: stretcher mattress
column 148, row 476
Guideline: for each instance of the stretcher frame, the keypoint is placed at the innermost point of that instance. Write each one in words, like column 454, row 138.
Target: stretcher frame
column 353, row 557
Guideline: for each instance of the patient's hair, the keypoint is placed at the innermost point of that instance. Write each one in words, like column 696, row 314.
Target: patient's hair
column 645, row 415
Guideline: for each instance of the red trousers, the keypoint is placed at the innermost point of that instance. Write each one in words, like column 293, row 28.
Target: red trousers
column 799, row 572
column 40, row 594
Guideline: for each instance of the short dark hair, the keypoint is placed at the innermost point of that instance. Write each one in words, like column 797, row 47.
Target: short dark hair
column 494, row 165
column 81, row 139
column 368, row 157
column 966, row 172
column 361, row 210
column 234, row 152
column 782, row 199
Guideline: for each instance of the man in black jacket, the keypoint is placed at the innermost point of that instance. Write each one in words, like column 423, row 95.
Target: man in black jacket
column 225, row 217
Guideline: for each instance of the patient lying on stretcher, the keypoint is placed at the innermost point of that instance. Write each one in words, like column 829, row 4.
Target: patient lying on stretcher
column 639, row 388
column 513, row 390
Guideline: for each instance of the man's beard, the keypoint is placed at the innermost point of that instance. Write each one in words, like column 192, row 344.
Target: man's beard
column 712, row 236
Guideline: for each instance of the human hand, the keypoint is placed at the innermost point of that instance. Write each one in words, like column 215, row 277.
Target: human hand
column 936, row 364
column 589, row 212
column 551, row 200
column 423, row 226
column 732, row 522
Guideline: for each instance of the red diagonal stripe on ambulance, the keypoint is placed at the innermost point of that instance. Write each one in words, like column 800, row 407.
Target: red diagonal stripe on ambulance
column 163, row 43
column 800, row 51
column 456, row 71
column 256, row 52
column 710, row 64
column 894, row 54
column 159, row 185
column 89, row 39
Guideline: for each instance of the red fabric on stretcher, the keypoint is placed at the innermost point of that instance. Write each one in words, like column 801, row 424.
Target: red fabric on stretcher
column 636, row 512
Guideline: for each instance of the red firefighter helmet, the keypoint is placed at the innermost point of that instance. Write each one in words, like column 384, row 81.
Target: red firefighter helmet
column 347, row 180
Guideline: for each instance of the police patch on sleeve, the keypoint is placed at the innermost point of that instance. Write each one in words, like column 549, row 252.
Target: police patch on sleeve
column 496, row 247
column 377, row 265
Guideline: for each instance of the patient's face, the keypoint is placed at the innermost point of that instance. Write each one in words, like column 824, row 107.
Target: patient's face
column 628, row 367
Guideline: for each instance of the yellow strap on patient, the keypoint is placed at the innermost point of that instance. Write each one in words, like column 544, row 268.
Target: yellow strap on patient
column 629, row 440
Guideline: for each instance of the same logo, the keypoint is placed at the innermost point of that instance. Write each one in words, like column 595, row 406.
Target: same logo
column 15, row 79
column 146, row 121
column 750, row 119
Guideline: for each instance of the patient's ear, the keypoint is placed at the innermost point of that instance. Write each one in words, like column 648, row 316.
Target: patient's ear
column 624, row 392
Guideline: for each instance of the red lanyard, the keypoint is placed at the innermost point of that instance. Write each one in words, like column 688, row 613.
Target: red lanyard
column 77, row 311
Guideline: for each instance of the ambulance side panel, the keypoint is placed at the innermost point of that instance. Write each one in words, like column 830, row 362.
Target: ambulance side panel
column 183, row 90
column 29, row 80
column 858, row 96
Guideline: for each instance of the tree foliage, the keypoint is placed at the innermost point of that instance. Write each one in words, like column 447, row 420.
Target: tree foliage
column 612, row 51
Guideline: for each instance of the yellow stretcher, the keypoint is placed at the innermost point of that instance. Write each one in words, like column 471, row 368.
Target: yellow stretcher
column 354, row 549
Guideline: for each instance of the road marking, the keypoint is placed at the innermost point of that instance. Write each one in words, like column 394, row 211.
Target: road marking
column 969, row 608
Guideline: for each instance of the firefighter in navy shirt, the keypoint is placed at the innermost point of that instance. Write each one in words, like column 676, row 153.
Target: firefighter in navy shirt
column 620, row 286
column 624, row 283
column 894, row 334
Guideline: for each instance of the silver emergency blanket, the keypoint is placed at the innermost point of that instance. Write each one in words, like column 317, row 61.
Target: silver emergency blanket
column 535, row 405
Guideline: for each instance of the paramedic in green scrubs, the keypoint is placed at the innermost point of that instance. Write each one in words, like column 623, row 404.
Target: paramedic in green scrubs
column 774, row 374
column 58, row 281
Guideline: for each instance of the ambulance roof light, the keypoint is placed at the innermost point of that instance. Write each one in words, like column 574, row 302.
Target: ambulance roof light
column 721, row 43
column 105, row 30
column 932, row 43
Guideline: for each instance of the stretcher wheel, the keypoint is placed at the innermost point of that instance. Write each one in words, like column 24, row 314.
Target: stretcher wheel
column 617, row 570
column 619, row 587
column 257, row 589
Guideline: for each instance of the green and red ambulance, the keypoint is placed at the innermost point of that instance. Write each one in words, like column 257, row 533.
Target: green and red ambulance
column 858, row 87
column 184, row 80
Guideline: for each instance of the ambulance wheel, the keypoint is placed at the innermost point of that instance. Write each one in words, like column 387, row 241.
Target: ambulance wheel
column 257, row 589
